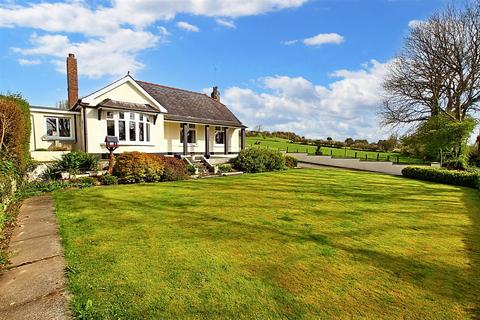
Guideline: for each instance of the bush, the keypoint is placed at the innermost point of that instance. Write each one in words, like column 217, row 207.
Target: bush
column 15, row 130
column 134, row 167
column 77, row 161
column 174, row 170
column 259, row 160
column 460, row 164
column 223, row 168
column 191, row 169
column 459, row 178
column 291, row 162
column 108, row 179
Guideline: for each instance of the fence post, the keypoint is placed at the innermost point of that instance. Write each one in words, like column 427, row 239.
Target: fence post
column 398, row 159
column 331, row 153
column 355, row 154
column 287, row 149
column 378, row 156
column 388, row 158
column 366, row 156
column 345, row 152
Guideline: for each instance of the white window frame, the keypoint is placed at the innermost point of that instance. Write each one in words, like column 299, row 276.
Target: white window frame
column 127, row 118
column 57, row 136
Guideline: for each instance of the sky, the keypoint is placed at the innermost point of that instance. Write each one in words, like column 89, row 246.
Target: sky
column 314, row 67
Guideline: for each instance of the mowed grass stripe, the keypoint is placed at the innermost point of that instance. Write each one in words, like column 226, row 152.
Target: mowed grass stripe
column 298, row 244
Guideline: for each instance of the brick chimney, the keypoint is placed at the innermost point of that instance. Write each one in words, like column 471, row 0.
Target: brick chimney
column 215, row 94
column 72, row 80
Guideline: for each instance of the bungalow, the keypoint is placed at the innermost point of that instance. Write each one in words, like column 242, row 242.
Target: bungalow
column 144, row 116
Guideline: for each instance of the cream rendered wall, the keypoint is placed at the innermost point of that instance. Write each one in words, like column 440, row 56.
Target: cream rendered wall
column 173, row 144
column 39, row 130
column 97, row 130
column 125, row 92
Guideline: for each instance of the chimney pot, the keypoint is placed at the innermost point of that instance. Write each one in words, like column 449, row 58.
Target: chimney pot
column 215, row 94
column 72, row 80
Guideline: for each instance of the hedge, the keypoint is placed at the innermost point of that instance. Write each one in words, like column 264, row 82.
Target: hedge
column 259, row 160
column 14, row 149
column 459, row 178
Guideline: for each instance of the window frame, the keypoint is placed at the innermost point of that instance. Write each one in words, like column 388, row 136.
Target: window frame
column 57, row 128
column 128, row 118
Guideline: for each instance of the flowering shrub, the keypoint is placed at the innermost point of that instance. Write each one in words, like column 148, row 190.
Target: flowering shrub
column 174, row 169
column 133, row 167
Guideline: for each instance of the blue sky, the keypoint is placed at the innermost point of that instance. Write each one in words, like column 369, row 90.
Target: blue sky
column 314, row 67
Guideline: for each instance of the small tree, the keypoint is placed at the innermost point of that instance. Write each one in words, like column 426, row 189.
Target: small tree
column 442, row 138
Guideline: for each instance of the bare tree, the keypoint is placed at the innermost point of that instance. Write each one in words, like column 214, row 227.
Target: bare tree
column 438, row 70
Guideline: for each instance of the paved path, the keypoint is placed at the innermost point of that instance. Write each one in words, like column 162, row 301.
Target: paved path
column 33, row 287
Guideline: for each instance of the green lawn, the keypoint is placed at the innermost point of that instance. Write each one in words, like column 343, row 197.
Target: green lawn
column 283, row 144
column 299, row 244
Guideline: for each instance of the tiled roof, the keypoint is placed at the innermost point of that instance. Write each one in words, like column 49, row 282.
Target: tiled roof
column 109, row 103
column 188, row 106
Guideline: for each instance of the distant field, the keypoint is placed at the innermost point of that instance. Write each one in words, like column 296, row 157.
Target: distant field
column 285, row 145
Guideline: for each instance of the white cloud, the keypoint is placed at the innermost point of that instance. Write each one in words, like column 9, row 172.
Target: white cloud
column 27, row 62
column 324, row 38
column 346, row 107
column 289, row 42
column 415, row 23
column 111, row 55
column 100, row 26
column 226, row 23
column 187, row 26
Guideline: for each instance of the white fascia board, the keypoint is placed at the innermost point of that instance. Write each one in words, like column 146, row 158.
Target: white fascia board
column 53, row 111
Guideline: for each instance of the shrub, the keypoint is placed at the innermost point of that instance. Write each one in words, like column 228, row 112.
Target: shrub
column 259, row 160
column 191, row 169
column 175, row 169
column 226, row 167
column 85, row 182
column 108, row 179
column 454, row 177
column 133, row 167
column 459, row 164
column 15, row 129
column 291, row 162
column 77, row 161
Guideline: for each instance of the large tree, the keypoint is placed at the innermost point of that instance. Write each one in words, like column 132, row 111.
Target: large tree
column 438, row 70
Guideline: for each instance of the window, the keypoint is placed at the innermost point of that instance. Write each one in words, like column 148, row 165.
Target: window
column 58, row 127
column 122, row 135
column 132, row 131
column 191, row 134
column 110, row 127
column 141, row 127
column 128, row 126
column 219, row 136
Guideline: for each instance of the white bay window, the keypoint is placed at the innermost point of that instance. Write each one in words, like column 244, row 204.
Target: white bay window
column 136, row 129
